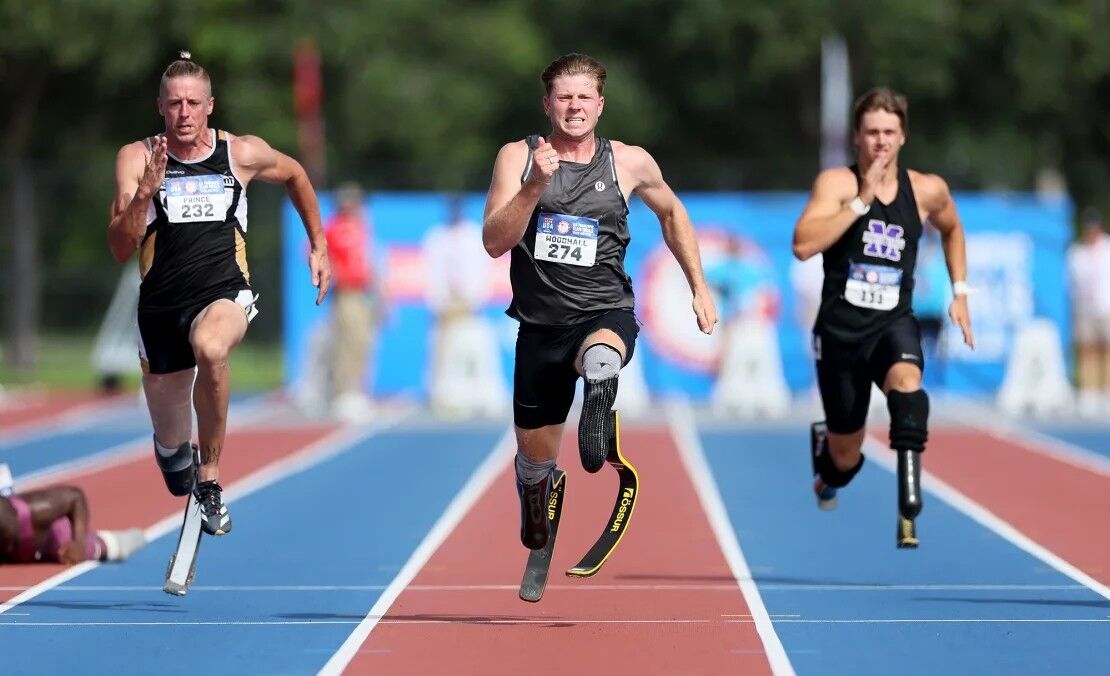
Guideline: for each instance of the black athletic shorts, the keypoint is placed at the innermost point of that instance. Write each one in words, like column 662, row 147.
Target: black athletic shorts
column 164, row 345
column 845, row 371
column 544, row 377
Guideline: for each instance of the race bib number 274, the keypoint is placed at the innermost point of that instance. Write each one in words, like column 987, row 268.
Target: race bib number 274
column 569, row 240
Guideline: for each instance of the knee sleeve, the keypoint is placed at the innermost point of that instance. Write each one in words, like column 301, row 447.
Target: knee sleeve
column 909, row 418
column 833, row 477
column 601, row 362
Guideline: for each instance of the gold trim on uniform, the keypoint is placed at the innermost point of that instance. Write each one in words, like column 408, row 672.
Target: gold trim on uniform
column 241, row 255
column 146, row 254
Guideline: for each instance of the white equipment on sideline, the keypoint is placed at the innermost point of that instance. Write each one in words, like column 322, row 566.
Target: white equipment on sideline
column 750, row 382
column 465, row 379
column 1036, row 379
column 116, row 350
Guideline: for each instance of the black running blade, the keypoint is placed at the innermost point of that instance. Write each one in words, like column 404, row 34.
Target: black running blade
column 539, row 560
column 627, row 492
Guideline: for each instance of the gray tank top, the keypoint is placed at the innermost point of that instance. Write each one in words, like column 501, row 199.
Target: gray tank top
column 569, row 266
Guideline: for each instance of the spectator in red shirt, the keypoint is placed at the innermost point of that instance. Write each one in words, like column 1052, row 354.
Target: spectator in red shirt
column 349, row 245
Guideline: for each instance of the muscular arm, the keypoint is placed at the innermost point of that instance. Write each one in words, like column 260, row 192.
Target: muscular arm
column 678, row 230
column 254, row 158
column 50, row 504
column 941, row 211
column 942, row 214
column 826, row 216
column 509, row 203
column 128, row 215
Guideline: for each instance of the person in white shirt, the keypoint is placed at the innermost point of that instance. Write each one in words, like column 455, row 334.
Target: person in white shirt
column 465, row 376
column 1089, row 274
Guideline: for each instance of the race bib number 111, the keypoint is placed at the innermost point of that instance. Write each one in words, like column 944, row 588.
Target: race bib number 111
column 875, row 287
column 570, row 240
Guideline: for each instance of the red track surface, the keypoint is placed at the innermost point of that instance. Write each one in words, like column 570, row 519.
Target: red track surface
column 35, row 409
column 448, row 631
column 1061, row 507
column 133, row 494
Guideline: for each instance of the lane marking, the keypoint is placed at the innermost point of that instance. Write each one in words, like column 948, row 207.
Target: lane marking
column 681, row 420
column 880, row 455
column 240, row 416
column 578, row 587
column 544, row 621
column 333, row 444
column 1038, row 442
column 460, row 505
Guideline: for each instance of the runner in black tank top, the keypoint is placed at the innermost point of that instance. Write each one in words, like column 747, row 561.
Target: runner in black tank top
column 558, row 285
column 194, row 249
column 869, row 270
column 559, row 205
column 181, row 201
column 866, row 220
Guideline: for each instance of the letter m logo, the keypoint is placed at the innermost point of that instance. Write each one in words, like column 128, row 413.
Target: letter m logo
column 884, row 240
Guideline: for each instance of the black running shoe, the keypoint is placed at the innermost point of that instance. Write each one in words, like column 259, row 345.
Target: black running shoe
column 214, row 517
column 593, row 426
column 534, row 526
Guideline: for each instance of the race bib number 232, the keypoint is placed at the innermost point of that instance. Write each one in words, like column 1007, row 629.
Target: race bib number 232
column 570, row 240
column 195, row 199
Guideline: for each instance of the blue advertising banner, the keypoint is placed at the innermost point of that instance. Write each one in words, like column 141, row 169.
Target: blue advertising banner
column 1015, row 242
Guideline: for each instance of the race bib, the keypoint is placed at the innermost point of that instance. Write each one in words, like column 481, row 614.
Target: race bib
column 875, row 287
column 570, row 240
column 195, row 199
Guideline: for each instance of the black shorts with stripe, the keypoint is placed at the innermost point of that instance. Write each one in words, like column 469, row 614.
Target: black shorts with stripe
column 544, row 377
column 846, row 370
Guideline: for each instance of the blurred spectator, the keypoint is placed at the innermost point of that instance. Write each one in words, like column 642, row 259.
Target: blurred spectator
column 51, row 525
column 1089, row 273
column 931, row 296
column 465, row 373
column 353, row 283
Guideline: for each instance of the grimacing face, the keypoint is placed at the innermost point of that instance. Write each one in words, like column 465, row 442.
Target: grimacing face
column 573, row 106
column 185, row 106
column 880, row 136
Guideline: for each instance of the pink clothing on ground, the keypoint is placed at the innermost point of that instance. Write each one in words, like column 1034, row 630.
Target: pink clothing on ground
column 27, row 548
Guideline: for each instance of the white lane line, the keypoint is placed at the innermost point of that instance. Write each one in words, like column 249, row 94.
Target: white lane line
column 1038, row 442
column 78, row 417
column 952, row 620
column 684, row 588
column 241, row 415
column 882, row 457
column 546, row 621
column 330, row 446
column 681, row 420
column 460, row 620
column 475, row 486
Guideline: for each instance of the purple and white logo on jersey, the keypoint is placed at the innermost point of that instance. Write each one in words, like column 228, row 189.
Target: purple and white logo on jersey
column 884, row 240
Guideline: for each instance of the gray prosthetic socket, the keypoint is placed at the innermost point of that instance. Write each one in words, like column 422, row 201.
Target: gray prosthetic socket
column 529, row 472
column 909, row 420
column 177, row 465
column 601, row 362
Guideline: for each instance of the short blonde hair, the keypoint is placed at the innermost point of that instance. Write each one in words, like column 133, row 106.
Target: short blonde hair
column 574, row 64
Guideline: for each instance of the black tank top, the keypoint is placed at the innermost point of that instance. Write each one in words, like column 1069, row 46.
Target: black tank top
column 569, row 265
column 195, row 246
column 869, row 270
